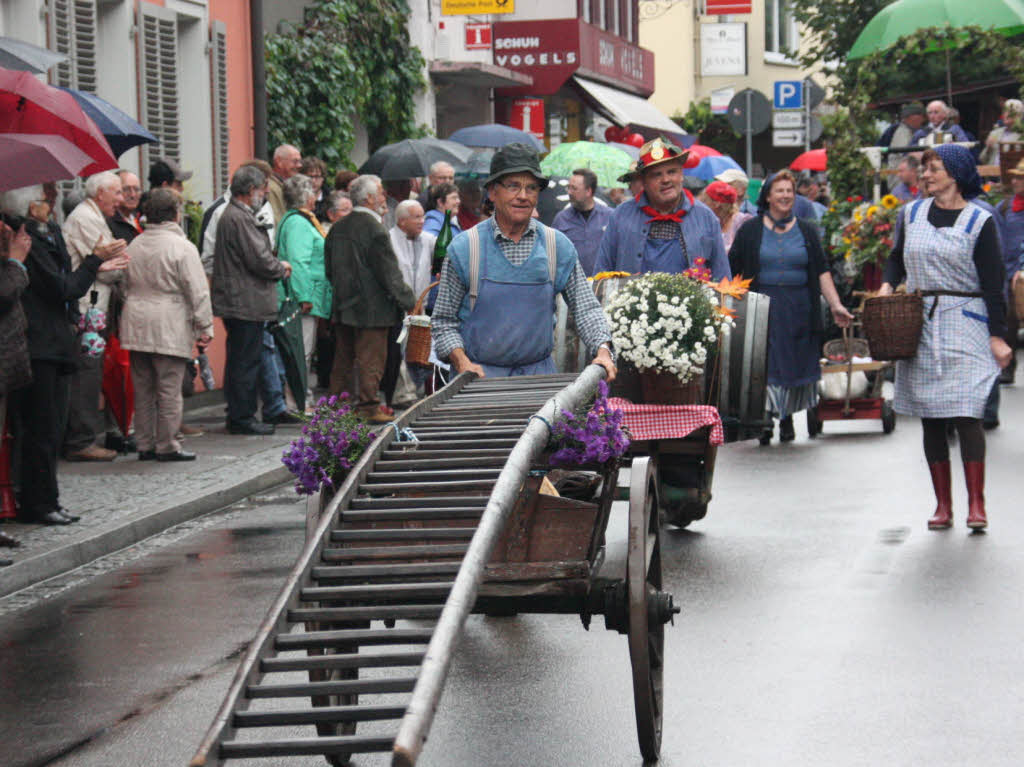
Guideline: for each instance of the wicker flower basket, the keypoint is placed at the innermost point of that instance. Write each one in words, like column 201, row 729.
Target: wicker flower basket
column 666, row 389
column 893, row 324
column 417, row 345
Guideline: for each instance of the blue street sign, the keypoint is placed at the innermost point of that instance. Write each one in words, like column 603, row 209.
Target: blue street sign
column 789, row 94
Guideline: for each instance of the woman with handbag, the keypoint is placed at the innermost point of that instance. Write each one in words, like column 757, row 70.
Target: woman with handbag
column 783, row 257
column 948, row 249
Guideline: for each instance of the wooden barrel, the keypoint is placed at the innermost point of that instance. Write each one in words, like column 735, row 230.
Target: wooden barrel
column 742, row 369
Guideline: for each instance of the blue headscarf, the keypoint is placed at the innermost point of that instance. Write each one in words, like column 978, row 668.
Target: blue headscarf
column 960, row 164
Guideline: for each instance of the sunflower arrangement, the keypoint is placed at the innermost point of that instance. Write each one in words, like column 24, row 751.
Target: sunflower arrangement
column 861, row 232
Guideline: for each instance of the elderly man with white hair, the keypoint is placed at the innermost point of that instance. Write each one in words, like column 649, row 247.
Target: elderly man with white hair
column 440, row 172
column 84, row 230
column 938, row 124
column 287, row 162
column 370, row 295
column 415, row 251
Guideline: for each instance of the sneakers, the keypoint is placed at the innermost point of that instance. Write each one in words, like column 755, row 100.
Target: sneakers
column 92, row 453
column 190, row 431
column 380, row 415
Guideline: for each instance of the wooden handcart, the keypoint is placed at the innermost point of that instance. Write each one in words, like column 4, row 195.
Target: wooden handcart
column 737, row 386
column 444, row 515
column 872, row 407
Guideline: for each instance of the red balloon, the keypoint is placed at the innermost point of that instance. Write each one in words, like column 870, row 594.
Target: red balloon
column 633, row 139
column 613, row 133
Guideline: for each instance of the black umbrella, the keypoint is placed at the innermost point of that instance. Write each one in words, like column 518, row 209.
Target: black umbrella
column 555, row 196
column 412, row 158
column 25, row 57
column 287, row 333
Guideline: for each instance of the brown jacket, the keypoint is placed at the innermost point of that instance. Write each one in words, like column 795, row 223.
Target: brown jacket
column 245, row 270
column 167, row 303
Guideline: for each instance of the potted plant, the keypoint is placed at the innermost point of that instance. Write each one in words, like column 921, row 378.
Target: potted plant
column 592, row 436
column 331, row 443
column 667, row 326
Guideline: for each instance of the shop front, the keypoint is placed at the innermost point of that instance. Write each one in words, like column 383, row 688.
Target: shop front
column 584, row 79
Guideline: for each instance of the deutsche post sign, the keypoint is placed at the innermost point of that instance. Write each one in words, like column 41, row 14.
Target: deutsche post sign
column 466, row 7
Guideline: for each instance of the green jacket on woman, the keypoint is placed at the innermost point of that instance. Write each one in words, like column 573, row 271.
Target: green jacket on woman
column 301, row 245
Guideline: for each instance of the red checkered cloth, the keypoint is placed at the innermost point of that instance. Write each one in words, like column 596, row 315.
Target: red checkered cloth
column 668, row 421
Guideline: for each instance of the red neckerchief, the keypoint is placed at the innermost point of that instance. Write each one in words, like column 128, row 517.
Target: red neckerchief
column 1018, row 203
column 913, row 190
column 676, row 216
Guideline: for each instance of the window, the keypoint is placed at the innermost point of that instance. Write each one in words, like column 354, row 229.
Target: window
column 73, row 33
column 781, row 36
column 158, row 75
column 219, row 77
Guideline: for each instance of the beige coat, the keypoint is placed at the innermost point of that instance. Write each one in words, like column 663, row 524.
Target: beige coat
column 83, row 228
column 167, row 304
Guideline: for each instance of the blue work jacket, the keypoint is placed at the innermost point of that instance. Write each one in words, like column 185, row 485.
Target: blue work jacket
column 584, row 232
column 622, row 247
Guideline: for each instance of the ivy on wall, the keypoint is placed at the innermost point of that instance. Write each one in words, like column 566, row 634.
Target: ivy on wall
column 348, row 60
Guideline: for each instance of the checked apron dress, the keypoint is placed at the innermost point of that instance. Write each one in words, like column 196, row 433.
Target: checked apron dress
column 954, row 370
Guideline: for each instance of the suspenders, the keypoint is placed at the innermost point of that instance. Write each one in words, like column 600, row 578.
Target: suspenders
column 474, row 260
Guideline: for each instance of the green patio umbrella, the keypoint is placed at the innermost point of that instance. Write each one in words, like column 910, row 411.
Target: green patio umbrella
column 606, row 161
column 905, row 17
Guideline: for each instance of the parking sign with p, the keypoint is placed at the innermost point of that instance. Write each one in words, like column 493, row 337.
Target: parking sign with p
column 789, row 94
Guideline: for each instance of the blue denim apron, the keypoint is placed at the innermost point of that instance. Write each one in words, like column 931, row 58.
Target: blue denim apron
column 664, row 256
column 509, row 331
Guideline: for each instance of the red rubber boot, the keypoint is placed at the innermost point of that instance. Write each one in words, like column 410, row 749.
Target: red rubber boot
column 942, row 482
column 974, row 473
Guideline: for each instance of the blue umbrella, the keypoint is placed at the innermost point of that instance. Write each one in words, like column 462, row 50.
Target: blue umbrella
column 121, row 131
column 709, row 167
column 495, row 136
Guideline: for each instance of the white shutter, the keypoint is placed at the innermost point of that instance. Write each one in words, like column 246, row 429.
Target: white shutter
column 73, row 33
column 219, row 78
column 158, row 79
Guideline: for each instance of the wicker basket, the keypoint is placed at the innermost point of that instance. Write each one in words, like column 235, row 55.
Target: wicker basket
column 667, row 389
column 893, row 324
column 417, row 345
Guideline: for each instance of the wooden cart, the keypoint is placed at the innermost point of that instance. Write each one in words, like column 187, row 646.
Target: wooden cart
column 737, row 386
column 429, row 529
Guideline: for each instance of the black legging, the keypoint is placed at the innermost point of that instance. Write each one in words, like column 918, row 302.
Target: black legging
column 936, row 444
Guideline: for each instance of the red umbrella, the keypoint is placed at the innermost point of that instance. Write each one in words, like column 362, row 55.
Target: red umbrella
column 816, row 159
column 697, row 153
column 117, row 383
column 29, row 106
column 34, row 158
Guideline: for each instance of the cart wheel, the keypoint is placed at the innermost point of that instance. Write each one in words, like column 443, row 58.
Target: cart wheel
column 888, row 418
column 813, row 422
column 646, row 631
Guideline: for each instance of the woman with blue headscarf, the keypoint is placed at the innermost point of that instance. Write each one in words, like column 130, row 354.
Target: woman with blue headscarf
column 782, row 254
column 949, row 250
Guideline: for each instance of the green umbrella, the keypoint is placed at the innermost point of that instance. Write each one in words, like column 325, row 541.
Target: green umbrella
column 606, row 161
column 905, row 17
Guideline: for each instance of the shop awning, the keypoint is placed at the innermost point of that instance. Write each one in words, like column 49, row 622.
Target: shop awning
column 626, row 109
column 475, row 74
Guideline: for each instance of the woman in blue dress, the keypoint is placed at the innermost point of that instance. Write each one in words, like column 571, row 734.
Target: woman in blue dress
column 783, row 257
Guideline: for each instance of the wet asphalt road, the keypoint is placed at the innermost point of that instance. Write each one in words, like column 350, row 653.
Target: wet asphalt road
column 822, row 624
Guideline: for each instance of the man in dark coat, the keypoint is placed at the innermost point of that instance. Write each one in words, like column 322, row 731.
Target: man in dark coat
column 370, row 295
column 125, row 224
column 245, row 277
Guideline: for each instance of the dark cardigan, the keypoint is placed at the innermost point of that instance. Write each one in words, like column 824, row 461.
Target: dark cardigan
column 745, row 260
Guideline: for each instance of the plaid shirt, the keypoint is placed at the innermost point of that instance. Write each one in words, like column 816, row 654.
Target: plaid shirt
column 579, row 295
